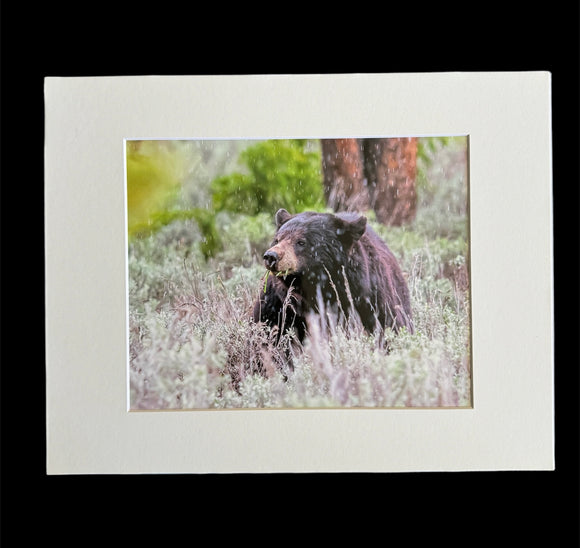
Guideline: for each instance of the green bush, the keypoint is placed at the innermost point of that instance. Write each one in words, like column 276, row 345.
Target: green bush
column 155, row 172
column 280, row 173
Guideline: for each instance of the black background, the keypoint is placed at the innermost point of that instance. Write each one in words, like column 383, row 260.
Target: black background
column 502, row 508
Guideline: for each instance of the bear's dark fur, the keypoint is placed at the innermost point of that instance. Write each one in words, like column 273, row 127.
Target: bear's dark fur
column 335, row 261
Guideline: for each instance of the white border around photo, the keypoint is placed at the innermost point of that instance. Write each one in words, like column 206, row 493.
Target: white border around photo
column 507, row 117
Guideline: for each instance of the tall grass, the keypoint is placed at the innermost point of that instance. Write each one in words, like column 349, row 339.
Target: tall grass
column 193, row 345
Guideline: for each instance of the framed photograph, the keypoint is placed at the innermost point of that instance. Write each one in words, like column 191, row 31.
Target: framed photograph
column 317, row 273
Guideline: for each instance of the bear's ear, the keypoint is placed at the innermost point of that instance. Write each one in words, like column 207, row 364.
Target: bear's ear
column 352, row 231
column 281, row 217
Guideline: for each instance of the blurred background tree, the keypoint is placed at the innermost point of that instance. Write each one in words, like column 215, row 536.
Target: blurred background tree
column 344, row 178
column 279, row 173
column 377, row 174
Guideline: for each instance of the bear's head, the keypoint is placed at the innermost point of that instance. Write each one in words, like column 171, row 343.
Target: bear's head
column 309, row 244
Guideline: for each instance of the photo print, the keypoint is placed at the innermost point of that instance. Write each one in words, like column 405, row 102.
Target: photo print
column 298, row 273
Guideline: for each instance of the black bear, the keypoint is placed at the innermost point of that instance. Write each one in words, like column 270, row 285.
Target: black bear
column 333, row 260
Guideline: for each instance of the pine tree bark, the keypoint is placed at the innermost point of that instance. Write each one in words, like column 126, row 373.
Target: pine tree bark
column 391, row 169
column 343, row 169
column 378, row 174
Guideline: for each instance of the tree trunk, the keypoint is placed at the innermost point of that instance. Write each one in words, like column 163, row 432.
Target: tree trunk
column 379, row 174
column 391, row 169
column 342, row 166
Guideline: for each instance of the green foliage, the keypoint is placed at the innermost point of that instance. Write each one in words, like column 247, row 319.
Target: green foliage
column 442, row 187
column 155, row 172
column 429, row 146
column 211, row 240
column 281, row 173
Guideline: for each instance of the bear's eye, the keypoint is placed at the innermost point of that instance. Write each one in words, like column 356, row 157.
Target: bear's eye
column 301, row 243
column 275, row 242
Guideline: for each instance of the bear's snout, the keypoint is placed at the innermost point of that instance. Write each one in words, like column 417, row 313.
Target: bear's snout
column 270, row 259
column 281, row 258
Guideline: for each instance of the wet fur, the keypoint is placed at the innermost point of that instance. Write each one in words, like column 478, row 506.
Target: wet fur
column 337, row 261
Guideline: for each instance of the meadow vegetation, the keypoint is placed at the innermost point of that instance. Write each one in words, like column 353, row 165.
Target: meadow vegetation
column 192, row 343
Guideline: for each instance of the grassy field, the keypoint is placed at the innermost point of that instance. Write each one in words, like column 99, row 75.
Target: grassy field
column 192, row 344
